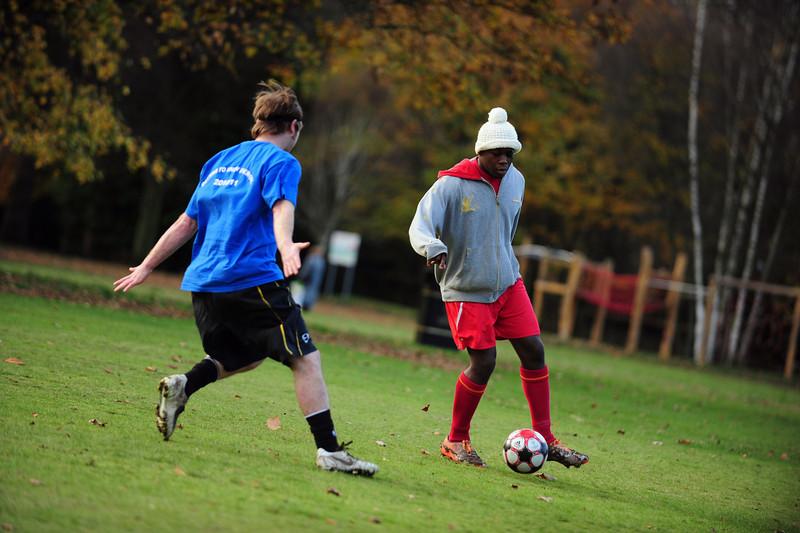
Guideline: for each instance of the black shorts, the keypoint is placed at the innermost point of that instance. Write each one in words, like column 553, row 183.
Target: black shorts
column 241, row 327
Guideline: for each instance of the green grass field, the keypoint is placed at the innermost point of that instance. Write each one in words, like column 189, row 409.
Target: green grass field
column 738, row 468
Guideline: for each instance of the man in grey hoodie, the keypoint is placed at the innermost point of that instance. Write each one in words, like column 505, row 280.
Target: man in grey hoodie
column 464, row 226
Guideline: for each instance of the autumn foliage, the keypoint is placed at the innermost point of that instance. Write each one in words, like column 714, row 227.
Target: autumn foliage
column 100, row 98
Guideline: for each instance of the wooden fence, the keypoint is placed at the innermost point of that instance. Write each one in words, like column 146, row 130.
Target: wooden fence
column 716, row 283
column 553, row 261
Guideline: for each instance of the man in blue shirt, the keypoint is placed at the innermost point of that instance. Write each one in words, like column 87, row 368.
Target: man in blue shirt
column 242, row 213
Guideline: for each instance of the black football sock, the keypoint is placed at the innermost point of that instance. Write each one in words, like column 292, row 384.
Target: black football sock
column 200, row 375
column 321, row 425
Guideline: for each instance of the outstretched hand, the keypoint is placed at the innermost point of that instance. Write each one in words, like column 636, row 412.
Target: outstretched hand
column 440, row 260
column 136, row 277
column 290, row 257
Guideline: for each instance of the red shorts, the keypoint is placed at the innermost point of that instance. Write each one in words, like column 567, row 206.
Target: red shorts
column 477, row 325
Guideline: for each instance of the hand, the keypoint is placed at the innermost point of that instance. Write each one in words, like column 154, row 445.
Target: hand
column 290, row 256
column 136, row 277
column 440, row 260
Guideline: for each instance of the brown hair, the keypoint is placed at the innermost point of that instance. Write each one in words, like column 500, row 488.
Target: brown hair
column 275, row 107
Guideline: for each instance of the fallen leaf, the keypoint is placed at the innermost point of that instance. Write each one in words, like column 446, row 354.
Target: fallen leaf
column 375, row 520
column 150, row 369
column 784, row 456
column 179, row 426
column 274, row 423
column 14, row 361
column 334, row 491
column 426, row 407
column 437, row 432
column 330, row 521
column 237, row 396
column 173, row 366
column 96, row 422
column 546, row 476
column 122, row 401
column 594, row 406
column 35, row 482
column 684, row 441
column 108, row 370
column 176, row 358
column 424, row 452
column 513, row 486
column 7, row 527
column 34, row 415
column 744, row 456
column 179, row 471
column 771, row 453
column 380, row 443
column 658, row 443
column 621, row 431
column 411, row 496
column 547, row 499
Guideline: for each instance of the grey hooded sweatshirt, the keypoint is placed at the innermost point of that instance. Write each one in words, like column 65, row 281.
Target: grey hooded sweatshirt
column 462, row 216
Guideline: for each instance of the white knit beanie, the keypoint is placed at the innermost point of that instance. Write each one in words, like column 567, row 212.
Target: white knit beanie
column 497, row 133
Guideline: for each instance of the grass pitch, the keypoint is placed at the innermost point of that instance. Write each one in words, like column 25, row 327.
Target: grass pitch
column 671, row 448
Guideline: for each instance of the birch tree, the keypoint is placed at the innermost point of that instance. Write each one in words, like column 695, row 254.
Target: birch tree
column 786, row 75
column 694, row 178
column 752, row 164
column 755, row 309
column 341, row 128
column 734, row 136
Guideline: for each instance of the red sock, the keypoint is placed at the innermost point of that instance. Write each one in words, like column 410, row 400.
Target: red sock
column 468, row 395
column 536, row 386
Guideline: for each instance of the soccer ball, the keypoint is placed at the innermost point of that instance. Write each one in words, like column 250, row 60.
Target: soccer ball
column 525, row 451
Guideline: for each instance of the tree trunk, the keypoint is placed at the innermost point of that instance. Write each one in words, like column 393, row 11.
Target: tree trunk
column 753, row 164
column 755, row 309
column 734, row 353
column 734, row 134
column 149, row 218
column 16, row 223
column 87, row 230
column 338, row 156
column 694, row 188
column 786, row 76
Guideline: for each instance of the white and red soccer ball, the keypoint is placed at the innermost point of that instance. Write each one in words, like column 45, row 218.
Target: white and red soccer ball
column 525, row 451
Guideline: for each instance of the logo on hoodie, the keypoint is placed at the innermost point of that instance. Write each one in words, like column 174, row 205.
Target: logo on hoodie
column 466, row 205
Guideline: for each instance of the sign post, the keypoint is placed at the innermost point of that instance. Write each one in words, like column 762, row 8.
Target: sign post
column 342, row 252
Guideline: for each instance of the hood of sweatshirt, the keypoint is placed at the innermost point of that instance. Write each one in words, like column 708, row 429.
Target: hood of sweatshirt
column 468, row 169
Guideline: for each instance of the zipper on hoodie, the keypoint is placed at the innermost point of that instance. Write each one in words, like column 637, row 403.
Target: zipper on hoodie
column 497, row 225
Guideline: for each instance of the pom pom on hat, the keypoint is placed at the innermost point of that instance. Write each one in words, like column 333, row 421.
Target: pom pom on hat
column 497, row 115
column 497, row 133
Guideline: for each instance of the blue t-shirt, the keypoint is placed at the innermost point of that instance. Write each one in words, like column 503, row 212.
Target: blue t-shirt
column 235, row 244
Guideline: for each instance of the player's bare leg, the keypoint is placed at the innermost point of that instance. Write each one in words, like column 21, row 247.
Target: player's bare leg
column 309, row 384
